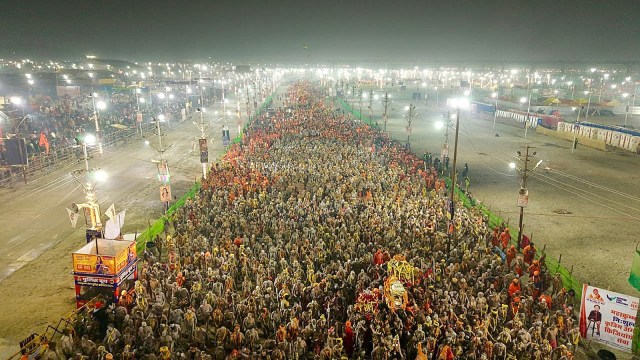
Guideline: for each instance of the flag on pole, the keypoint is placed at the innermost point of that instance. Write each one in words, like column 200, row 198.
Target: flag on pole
column 120, row 218
column 73, row 217
column 111, row 212
column 114, row 225
column 44, row 142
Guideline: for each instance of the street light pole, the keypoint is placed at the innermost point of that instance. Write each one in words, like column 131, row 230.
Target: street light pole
column 524, row 193
column 92, row 202
column 451, row 230
column 385, row 116
column 626, row 113
column 586, row 114
column 495, row 109
column 409, row 116
column 97, row 123
column 370, row 105
column 526, row 125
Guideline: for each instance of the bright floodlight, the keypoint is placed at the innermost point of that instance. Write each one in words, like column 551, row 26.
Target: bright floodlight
column 189, row 91
column 138, row 90
column 146, row 142
column 593, row 69
column 90, row 74
column 523, row 99
column 30, row 81
column 439, row 124
column 100, row 175
column 512, row 165
column 90, row 139
column 625, row 95
column 16, row 100
column 460, row 102
column 406, row 107
column 142, row 100
column 494, row 95
column 467, row 92
column 171, row 96
column 161, row 117
column 586, row 92
column 160, row 95
column 101, row 105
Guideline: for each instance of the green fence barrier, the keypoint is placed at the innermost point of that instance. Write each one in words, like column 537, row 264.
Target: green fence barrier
column 258, row 111
column 157, row 226
column 356, row 113
column 568, row 280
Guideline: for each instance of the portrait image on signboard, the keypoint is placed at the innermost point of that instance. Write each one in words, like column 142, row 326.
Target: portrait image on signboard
column 165, row 193
column 608, row 317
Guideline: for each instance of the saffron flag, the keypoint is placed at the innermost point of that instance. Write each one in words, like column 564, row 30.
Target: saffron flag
column 44, row 142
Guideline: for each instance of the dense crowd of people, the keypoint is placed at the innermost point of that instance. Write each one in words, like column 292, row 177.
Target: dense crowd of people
column 317, row 237
column 63, row 120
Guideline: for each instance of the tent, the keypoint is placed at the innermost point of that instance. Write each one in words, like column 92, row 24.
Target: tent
column 579, row 101
column 551, row 101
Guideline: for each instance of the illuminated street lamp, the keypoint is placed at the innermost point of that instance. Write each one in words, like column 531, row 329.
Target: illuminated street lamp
column 586, row 115
column 528, row 101
column 457, row 104
column 92, row 176
column 626, row 113
column 494, row 95
column 16, row 100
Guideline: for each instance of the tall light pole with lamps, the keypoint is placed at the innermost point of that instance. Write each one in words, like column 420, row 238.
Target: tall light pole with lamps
column 457, row 104
column 523, row 192
column 91, row 206
column 626, row 113
column 163, row 166
column 494, row 95
column 410, row 115
column 97, row 106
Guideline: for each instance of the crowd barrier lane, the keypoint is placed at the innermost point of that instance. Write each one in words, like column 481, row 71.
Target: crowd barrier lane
column 568, row 280
column 157, row 226
column 257, row 112
column 32, row 343
column 41, row 163
column 355, row 112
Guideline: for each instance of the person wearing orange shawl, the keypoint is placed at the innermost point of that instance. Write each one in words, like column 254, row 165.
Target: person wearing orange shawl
column 378, row 257
column 347, row 339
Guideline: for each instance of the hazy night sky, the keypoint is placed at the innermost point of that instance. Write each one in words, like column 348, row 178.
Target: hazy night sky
column 355, row 30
